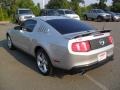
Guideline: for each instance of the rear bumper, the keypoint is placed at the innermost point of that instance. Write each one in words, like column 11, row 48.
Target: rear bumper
column 94, row 65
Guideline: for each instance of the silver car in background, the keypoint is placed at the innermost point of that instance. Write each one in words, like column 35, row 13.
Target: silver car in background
column 97, row 14
column 57, row 41
column 114, row 16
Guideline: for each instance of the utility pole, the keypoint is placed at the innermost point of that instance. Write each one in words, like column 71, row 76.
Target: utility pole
column 43, row 3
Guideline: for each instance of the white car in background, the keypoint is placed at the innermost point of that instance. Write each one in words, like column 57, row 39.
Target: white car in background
column 23, row 14
column 68, row 13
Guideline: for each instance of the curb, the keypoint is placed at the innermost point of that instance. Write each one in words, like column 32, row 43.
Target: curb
column 4, row 22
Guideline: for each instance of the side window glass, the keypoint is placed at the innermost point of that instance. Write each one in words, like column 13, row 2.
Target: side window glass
column 91, row 11
column 29, row 25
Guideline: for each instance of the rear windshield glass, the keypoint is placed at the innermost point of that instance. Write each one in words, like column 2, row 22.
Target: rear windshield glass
column 66, row 26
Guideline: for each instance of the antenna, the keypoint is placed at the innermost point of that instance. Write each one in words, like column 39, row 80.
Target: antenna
column 43, row 4
column 104, row 26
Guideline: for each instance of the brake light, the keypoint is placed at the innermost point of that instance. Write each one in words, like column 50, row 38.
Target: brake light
column 81, row 46
column 110, row 39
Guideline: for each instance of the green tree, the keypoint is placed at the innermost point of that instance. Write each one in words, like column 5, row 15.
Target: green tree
column 102, row 4
column 8, row 7
column 56, row 4
column 94, row 6
column 76, row 7
column 116, row 6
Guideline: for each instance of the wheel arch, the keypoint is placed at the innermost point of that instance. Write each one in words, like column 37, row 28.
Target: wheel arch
column 46, row 51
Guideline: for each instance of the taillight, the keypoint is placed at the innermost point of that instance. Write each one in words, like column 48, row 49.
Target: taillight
column 81, row 46
column 110, row 39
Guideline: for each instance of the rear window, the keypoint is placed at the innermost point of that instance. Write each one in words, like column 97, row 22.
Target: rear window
column 66, row 26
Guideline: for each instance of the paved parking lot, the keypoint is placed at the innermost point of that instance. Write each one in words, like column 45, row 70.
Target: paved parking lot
column 18, row 70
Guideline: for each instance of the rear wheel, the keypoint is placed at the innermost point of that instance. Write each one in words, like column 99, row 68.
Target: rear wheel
column 43, row 62
column 99, row 19
column 9, row 42
column 85, row 17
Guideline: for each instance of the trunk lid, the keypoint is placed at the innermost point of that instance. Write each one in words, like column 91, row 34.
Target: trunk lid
column 97, row 39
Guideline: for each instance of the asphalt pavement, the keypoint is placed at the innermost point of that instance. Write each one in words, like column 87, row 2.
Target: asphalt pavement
column 18, row 71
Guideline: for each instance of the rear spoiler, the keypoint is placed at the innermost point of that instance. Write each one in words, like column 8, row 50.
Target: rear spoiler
column 105, row 31
column 96, row 32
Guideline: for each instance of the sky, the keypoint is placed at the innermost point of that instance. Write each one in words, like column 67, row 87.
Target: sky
column 87, row 2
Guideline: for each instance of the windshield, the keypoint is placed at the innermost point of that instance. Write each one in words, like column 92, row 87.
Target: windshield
column 25, row 12
column 100, row 11
column 66, row 26
column 69, row 12
column 52, row 13
column 111, row 12
column 117, row 13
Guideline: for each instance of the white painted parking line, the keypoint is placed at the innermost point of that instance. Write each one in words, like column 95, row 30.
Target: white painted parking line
column 96, row 82
column 118, row 48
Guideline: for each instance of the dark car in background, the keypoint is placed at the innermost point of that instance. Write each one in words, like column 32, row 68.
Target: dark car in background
column 60, row 12
column 49, row 12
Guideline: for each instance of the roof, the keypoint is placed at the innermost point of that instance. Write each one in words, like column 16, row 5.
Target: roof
column 23, row 9
column 96, row 9
column 45, row 18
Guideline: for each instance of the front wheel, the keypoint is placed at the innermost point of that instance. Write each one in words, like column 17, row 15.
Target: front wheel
column 9, row 43
column 43, row 62
column 99, row 19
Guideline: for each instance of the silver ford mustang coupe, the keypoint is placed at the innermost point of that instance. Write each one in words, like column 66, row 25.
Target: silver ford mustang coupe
column 57, row 41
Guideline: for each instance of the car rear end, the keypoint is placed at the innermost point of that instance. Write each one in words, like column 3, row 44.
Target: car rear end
column 89, row 50
column 81, row 44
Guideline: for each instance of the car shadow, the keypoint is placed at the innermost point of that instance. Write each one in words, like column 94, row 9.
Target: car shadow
column 20, row 56
column 30, row 61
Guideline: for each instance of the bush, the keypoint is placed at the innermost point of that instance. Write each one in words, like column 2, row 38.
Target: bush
column 3, row 15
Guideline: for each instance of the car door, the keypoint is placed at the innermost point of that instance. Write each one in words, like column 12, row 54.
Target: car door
column 93, row 14
column 25, row 36
column 89, row 14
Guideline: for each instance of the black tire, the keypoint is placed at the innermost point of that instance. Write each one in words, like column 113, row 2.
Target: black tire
column 99, row 19
column 19, row 22
column 9, row 43
column 16, row 21
column 85, row 17
column 43, row 62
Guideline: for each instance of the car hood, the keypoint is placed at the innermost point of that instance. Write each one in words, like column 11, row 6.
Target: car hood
column 72, row 15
